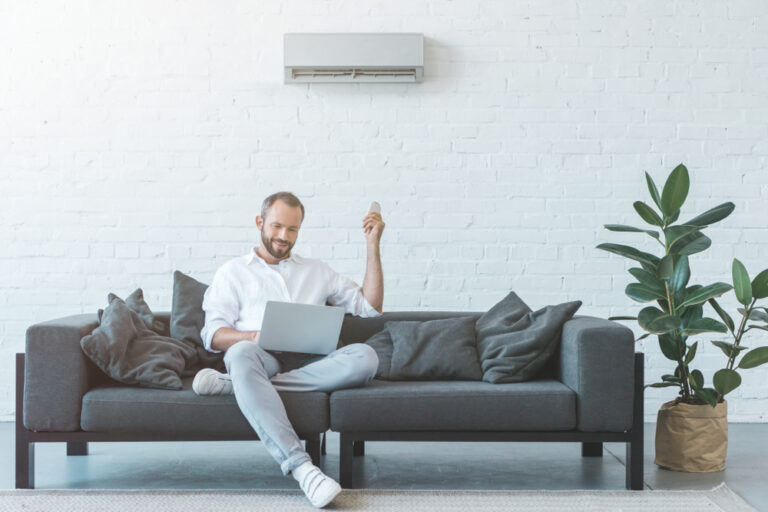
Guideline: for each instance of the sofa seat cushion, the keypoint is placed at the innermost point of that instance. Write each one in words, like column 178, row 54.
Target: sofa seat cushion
column 119, row 408
column 539, row 405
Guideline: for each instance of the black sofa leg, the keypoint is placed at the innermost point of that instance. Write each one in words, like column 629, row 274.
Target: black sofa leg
column 322, row 445
column 346, row 460
column 634, row 468
column 25, row 451
column 77, row 448
column 25, row 465
column 313, row 449
column 358, row 448
column 591, row 449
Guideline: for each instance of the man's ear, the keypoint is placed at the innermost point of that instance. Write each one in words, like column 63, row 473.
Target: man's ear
column 259, row 222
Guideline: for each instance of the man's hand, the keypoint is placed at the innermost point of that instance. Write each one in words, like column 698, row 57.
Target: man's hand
column 255, row 336
column 373, row 227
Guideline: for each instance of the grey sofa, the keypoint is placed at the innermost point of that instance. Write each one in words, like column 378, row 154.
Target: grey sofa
column 591, row 392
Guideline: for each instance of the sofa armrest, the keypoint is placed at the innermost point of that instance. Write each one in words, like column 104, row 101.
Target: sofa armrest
column 597, row 362
column 57, row 373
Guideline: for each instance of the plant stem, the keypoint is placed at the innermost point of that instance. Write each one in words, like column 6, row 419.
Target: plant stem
column 681, row 361
column 739, row 333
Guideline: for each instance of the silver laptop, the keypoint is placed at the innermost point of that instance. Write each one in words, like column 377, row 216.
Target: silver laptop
column 305, row 328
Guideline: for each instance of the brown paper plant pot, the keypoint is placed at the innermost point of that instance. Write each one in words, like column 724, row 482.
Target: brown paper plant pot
column 692, row 438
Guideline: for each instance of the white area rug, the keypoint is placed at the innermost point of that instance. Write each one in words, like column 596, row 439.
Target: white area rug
column 719, row 498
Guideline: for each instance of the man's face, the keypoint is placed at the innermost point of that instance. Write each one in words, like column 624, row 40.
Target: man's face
column 279, row 229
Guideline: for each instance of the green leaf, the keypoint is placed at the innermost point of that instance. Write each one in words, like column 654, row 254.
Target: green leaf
column 727, row 348
column 696, row 379
column 653, row 190
column 647, row 213
column 661, row 385
column 671, row 378
column 613, row 318
column 675, row 190
column 707, row 395
column 669, row 347
column 705, row 293
column 716, row 214
column 754, row 357
column 654, row 320
column 722, row 313
column 666, row 267
column 759, row 315
column 741, row 284
column 674, row 234
column 630, row 229
column 643, row 336
column 704, row 325
column 726, row 380
column 681, row 275
column 752, row 326
column 760, row 285
column 631, row 253
column 648, row 279
column 642, row 293
column 692, row 244
column 691, row 314
column 691, row 353
column 673, row 218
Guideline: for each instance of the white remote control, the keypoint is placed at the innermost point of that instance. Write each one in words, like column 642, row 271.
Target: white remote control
column 375, row 208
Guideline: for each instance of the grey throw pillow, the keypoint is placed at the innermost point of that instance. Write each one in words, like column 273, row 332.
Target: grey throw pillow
column 441, row 349
column 381, row 342
column 125, row 349
column 136, row 302
column 515, row 343
column 188, row 318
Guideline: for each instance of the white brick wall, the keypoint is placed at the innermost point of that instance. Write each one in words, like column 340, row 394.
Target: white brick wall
column 138, row 138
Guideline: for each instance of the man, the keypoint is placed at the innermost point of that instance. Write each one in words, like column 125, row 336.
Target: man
column 234, row 306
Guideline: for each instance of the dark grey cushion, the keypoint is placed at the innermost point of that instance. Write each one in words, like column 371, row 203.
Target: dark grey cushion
column 129, row 352
column 381, row 342
column 188, row 318
column 116, row 408
column 137, row 303
column 442, row 349
column 357, row 329
column 514, row 343
column 450, row 405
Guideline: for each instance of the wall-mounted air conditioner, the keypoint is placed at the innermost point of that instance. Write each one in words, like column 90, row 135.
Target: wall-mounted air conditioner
column 389, row 57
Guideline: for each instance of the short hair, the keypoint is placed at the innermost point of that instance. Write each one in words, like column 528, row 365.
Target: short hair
column 286, row 197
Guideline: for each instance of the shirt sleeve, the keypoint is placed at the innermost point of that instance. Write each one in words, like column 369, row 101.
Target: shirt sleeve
column 347, row 294
column 221, row 307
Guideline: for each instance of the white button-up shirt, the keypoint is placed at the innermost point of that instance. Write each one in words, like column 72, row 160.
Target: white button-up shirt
column 242, row 286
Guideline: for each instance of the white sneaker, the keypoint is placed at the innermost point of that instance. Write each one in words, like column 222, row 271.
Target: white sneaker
column 210, row 382
column 319, row 488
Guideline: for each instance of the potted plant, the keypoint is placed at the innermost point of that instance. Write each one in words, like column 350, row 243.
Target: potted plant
column 692, row 429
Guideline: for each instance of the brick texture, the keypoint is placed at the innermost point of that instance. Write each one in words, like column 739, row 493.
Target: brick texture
column 140, row 137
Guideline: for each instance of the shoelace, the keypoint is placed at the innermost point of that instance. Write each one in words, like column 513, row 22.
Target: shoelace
column 313, row 475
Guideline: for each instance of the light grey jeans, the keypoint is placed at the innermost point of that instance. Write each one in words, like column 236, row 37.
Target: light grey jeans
column 256, row 379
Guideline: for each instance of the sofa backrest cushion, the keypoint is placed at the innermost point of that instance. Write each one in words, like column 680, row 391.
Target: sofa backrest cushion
column 442, row 349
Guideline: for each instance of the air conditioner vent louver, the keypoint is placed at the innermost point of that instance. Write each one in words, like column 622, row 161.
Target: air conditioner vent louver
column 349, row 58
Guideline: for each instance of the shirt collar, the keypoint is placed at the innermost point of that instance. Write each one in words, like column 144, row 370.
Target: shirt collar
column 252, row 256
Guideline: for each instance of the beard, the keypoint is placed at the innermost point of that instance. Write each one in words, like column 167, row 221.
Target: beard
column 276, row 252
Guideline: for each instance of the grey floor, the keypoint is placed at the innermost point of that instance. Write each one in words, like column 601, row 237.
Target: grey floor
column 246, row 465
